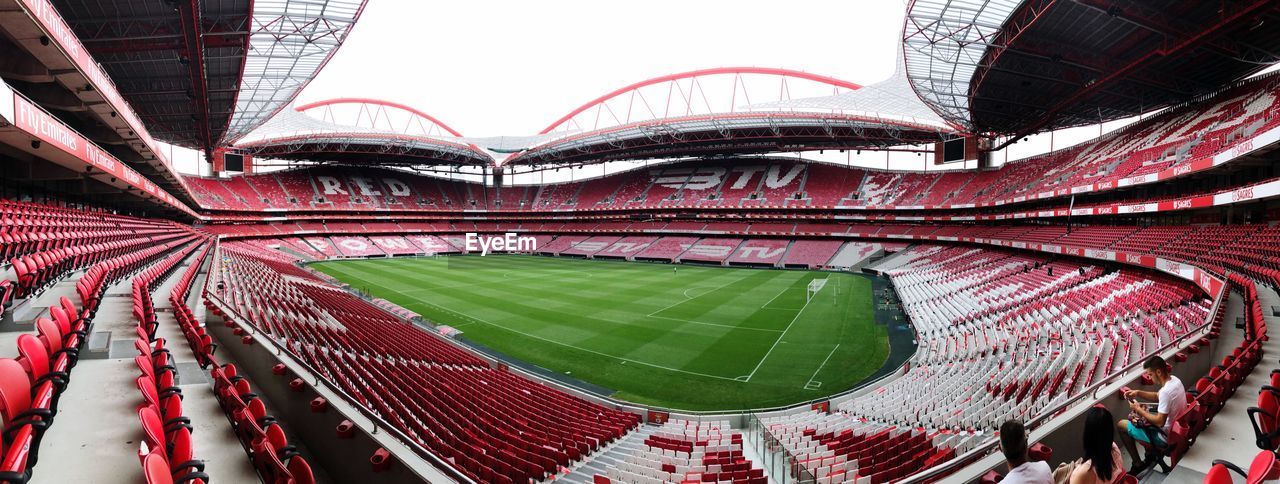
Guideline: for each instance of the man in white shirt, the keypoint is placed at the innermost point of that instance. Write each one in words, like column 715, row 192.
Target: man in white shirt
column 1171, row 402
column 1013, row 443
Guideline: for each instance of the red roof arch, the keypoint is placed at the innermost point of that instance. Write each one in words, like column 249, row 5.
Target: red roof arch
column 379, row 103
column 786, row 73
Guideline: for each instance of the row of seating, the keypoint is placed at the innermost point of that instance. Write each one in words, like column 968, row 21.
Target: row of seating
column 31, row 383
column 1158, row 143
column 1239, row 248
column 769, row 252
column 687, row 451
column 488, row 423
column 1264, row 467
column 1002, row 335
column 260, row 434
column 167, row 449
column 28, row 227
column 842, row 447
column 38, row 271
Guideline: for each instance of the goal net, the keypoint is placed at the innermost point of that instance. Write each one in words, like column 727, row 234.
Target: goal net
column 814, row 286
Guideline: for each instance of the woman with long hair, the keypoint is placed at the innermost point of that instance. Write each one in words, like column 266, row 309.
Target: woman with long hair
column 1102, row 463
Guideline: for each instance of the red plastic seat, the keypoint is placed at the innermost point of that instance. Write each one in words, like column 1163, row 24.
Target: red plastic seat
column 1263, row 417
column 155, row 469
column 1264, row 467
column 172, row 437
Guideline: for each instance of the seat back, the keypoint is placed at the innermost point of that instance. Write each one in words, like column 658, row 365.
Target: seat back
column 68, row 307
column 59, row 317
column 153, row 428
column 49, row 334
column 33, row 355
column 276, row 437
column 1263, row 468
column 301, row 471
column 15, row 389
column 145, row 366
column 155, row 468
column 181, row 448
column 1264, row 418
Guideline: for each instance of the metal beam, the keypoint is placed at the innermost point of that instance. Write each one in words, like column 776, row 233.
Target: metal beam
column 1223, row 23
column 192, row 29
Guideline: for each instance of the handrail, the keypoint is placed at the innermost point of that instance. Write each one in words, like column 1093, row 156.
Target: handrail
column 937, row 471
column 378, row 421
column 1088, row 393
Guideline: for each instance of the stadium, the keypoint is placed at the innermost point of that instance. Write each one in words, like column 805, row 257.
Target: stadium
column 1046, row 240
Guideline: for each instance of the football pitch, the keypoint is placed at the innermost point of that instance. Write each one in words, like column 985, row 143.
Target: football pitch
column 694, row 338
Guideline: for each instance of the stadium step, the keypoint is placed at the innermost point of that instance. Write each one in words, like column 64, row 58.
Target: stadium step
column 1229, row 438
column 97, row 425
column 600, row 461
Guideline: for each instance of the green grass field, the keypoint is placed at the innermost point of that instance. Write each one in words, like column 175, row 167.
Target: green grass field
column 705, row 338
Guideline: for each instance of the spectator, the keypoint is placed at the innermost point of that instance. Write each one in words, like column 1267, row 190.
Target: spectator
column 1102, row 463
column 1013, row 443
column 1143, row 425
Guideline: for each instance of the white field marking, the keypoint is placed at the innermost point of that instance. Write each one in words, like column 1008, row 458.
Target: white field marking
column 824, row 363
column 779, row 340
column 652, row 315
column 729, row 326
column 686, row 295
column 410, row 293
column 473, row 320
column 478, row 320
column 629, row 360
column 775, row 296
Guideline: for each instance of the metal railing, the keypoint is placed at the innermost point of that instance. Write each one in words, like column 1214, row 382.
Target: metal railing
column 789, row 466
column 1088, row 394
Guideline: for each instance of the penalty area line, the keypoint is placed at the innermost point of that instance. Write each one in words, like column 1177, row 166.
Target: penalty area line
column 626, row 360
column 686, row 295
column 779, row 340
column 810, row 384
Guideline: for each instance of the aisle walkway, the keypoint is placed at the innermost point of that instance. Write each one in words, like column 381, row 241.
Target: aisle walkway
column 1230, row 436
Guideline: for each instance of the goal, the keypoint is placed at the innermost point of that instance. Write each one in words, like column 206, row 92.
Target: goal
column 814, row 286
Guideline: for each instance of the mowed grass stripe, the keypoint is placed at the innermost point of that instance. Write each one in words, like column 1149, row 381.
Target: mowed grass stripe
column 592, row 319
column 588, row 332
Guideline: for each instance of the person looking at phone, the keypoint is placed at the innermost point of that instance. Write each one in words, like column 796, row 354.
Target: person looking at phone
column 1170, row 401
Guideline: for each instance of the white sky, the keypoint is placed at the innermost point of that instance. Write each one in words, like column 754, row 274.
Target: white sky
column 490, row 68
column 511, row 67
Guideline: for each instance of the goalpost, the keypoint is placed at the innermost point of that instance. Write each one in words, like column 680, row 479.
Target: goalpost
column 814, row 286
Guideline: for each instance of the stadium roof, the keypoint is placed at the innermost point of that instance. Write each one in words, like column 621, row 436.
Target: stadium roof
column 703, row 112
column 764, row 110
column 362, row 131
column 203, row 73
column 890, row 99
column 729, row 134
column 1018, row 67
